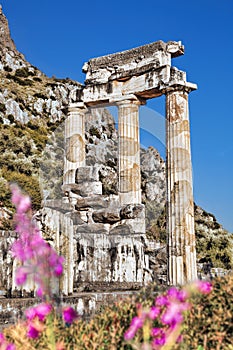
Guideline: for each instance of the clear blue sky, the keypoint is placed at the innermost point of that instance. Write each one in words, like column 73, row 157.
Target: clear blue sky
column 58, row 37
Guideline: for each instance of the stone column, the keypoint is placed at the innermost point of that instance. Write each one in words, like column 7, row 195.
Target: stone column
column 129, row 152
column 74, row 141
column 180, row 210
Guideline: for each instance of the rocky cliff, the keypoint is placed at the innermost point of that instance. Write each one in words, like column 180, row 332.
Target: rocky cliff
column 32, row 106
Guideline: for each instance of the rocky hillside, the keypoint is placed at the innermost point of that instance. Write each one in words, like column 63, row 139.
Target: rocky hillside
column 32, row 109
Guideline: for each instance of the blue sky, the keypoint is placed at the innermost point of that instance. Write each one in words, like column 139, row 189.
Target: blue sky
column 58, row 37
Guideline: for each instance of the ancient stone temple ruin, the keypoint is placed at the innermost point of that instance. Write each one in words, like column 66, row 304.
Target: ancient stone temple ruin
column 103, row 236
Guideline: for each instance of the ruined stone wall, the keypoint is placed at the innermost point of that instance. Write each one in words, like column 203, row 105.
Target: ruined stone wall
column 107, row 240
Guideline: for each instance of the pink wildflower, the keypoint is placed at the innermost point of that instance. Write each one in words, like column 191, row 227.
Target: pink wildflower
column 32, row 332
column 204, row 287
column 154, row 312
column 69, row 314
column 4, row 344
column 129, row 334
column 161, row 300
column 176, row 294
column 136, row 322
column 21, row 276
column 159, row 336
column 30, row 313
column 10, row 347
column 42, row 310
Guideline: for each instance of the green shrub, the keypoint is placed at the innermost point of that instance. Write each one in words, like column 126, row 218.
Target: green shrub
column 40, row 95
column 23, row 72
column 11, row 118
column 29, row 184
column 7, row 69
column 95, row 132
column 2, row 108
column 37, row 79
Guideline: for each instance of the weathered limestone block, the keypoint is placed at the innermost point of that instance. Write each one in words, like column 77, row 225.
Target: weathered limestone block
column 89, row 188
column 132, row 62
column 84, row 189
column 79, row 217
column 95, row 228
column 97, row 202
column 93, row 262
column 106, row 216
column 180, row 222
column 129, row 226
column 136, row 225
column 120, row 229
column 63, row 205
column 87, row 173
column 132, row 211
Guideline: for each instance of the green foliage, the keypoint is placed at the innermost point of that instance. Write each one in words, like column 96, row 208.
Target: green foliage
column 29, row 184
column 11, row 118
column 40, row 95
column 22, row 72
column 20, row 80
column 7, row 69
column 217, row 249
column 2, row 108
column 95, row 132
column 38, row 79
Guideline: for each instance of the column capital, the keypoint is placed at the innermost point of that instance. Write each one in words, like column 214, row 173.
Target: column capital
column 186, row 88
column 129, row 100
column 74, row 106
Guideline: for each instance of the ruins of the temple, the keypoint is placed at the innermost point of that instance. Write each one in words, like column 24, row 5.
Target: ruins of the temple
column 112, row 250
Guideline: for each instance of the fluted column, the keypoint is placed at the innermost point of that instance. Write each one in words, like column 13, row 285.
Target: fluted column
column 74, row 141
column 180, row 210
column 129, row 152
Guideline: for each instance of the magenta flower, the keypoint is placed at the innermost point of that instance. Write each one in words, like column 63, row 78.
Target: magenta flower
column 136, row 322
column 32, row 332
column 203, row 287
column 154, row 312
column 69, row 314
column 21, row 276
column 172, row 316
column 130, row 333
column 159, row 337
column 10, row 347
column 42, row 310
column 30, row 313
column 176, row 294
column 4, row 344
column 161, row 300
